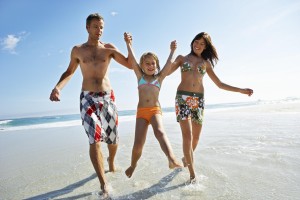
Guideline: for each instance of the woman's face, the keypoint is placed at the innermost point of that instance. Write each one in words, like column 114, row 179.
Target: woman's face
column 199, row 46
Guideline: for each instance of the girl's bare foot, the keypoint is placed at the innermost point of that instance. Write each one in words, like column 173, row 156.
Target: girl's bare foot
column 174, row 164
column 111, row 165
column 129, row 171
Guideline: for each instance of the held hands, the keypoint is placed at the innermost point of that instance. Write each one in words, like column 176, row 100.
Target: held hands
column 173, row 45
column 54, row 96
column 128, row 38
column 247, row 91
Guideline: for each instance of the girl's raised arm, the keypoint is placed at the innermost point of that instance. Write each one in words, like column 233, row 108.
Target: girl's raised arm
column 131, row 57
column 165, row 71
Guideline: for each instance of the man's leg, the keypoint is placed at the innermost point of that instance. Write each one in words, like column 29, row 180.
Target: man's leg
column 97, row 160
column 112, row 150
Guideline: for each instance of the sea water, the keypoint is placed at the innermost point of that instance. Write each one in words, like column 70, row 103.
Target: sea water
column 74, row 119
column 245, row 152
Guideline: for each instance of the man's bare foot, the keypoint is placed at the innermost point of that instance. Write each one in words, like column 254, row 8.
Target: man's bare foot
column 184, row 162
column 129, row 171
column 103, row 195
column 174, row 164
column 111, row 165
column 193, row 180
column 104, row 192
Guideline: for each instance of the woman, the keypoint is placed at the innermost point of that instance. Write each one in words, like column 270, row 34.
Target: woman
column 190, row 93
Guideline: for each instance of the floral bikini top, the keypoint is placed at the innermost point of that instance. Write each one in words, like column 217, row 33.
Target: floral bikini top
column 186, row 67
column 143, row 82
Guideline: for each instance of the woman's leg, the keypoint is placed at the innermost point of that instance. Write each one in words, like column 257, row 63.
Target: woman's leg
column 186, row 129
column 196, row 131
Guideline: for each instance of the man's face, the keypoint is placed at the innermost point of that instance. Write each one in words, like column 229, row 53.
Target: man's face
column 95, row 29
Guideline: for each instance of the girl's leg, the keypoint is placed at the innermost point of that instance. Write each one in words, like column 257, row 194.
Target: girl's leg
column 186, row 129
column 161, row 136
column 141, row 127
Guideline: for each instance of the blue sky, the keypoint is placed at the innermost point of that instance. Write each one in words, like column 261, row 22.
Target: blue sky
column 257, row 42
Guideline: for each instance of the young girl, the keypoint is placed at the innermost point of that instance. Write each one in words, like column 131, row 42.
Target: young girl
column 149, row 79
column 189, row 102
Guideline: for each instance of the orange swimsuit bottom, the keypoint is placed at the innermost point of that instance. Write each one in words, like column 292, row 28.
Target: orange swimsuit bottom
column 148, row 112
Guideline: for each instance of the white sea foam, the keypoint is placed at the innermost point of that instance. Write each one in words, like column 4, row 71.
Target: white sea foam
column 5, row 122
column 44, row 126
column 54, row 124
column 126, row 118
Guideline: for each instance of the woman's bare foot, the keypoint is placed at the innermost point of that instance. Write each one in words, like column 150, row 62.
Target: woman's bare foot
column 111, row 165
column 129, row 171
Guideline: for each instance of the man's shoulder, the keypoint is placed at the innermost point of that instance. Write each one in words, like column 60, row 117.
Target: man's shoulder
column 78, row 50
column 78, row 46
column 109, row 45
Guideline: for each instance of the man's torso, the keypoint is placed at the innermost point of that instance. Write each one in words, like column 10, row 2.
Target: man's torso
column 94, row 64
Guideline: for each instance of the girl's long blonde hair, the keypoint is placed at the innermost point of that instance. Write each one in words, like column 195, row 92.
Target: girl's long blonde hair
column 150, row 54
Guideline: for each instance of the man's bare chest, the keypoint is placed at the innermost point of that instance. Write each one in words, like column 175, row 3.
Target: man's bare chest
column 94, row 57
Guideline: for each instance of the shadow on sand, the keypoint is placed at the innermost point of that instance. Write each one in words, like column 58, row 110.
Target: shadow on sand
column 157, row 188
column 65, row 190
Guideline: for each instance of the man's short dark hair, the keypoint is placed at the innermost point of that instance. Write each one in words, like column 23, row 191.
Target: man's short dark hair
column 93, row 16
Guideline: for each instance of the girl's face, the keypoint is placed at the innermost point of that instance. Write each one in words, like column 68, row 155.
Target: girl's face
column 149, row 65
column 199, row 46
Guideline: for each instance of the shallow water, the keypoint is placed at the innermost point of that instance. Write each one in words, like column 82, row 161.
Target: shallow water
column 242, row 154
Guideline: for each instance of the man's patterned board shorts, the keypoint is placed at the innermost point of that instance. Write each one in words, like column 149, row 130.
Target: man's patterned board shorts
column 99, row 116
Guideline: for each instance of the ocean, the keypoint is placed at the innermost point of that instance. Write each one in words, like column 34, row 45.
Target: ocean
column 74, row 119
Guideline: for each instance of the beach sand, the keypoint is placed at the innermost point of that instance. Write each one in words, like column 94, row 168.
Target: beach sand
column 244, row 153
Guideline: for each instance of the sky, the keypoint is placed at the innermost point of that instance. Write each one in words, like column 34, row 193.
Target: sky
column 258, row 43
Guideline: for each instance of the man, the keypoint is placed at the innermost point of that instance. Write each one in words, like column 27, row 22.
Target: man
column 97, row 107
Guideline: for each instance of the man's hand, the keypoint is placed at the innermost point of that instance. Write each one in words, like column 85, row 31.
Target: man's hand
column 54, row 96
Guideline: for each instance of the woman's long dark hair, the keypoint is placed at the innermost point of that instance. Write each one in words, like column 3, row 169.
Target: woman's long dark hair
column 210, row 52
